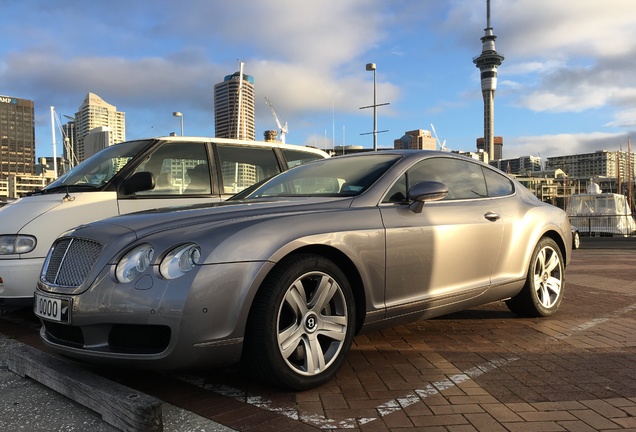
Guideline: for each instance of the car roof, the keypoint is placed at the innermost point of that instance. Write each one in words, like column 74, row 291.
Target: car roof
column 246, row 143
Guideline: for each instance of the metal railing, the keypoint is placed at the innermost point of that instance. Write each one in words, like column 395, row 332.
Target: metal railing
column 605, row 225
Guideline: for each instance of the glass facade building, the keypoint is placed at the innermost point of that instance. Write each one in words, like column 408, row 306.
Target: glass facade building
column 17, row 137
column 234, row 110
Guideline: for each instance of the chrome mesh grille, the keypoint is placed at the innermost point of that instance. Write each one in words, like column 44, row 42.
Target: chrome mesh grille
column 70, row 260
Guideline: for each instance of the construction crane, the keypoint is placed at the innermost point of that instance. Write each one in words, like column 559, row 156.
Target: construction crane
column 283, row 129
column 442, row 146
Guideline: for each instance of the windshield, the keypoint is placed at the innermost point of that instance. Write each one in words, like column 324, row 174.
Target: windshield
column 100, row 168
column 336, row 177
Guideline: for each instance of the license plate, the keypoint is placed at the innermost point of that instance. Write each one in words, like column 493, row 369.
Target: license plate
column 53, row 309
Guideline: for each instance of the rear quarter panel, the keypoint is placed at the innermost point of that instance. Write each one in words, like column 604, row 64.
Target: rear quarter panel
column 524, row 226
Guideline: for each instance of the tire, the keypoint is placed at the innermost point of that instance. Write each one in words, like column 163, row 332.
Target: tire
column 576, row 240
column 302, row 323
column 545, row 282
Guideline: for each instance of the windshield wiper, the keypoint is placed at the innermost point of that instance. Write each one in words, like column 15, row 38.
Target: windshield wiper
column 67, row 188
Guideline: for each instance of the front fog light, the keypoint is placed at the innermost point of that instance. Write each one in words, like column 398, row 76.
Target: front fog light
column 134, row 263
column 180, row 260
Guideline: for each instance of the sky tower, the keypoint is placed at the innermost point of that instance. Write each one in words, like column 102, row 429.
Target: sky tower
column 488, row 62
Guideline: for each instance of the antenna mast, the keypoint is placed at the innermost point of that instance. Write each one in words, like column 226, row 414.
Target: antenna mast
column 240, row 101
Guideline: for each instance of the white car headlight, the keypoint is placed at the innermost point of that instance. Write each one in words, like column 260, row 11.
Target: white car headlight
column 16, row 244
column 134, row 263
column 180, row 260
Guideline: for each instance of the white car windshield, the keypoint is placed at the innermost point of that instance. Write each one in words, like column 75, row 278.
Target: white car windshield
column 337, row 177
column 100, row 168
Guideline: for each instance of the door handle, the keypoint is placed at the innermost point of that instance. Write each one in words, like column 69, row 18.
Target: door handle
column 492, row 216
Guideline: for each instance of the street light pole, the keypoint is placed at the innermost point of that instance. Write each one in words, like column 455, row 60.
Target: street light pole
column 180, row 115
column 371, row 67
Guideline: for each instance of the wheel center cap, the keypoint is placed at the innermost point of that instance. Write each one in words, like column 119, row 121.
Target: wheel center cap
column 311, row 322
column 545, row 277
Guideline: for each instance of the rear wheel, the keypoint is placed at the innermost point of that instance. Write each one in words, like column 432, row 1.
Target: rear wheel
column 543, row 291
column 302, row 323
column 576, row 240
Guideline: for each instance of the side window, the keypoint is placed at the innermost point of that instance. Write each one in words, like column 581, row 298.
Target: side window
column 397, row 193
column 296, row 157
column 179, row 168
column 242, row 166
column 464, row 179
column 498, row 185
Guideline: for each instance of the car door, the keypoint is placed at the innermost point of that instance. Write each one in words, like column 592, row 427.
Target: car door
column 182, row 177
column 446, row 253
column 241, row 166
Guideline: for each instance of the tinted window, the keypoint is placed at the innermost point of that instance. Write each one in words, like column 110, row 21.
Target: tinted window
column 179, row 168
column 464, row 179
column 297, row 157
column 498, row 185
column 243, row 166
column 346, row 176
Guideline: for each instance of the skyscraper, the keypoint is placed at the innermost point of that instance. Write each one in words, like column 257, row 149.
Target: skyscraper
column 95, row 113
column 234, row 107
column 17, row 137
column 488, row 62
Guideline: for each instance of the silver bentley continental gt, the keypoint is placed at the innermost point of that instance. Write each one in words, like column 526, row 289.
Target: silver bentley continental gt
column 284, row 275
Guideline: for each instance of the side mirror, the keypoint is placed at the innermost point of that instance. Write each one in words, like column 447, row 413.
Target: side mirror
column 425, row 191
column 140, row 181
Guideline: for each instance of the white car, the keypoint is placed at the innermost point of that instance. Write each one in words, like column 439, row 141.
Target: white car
column 128, row 177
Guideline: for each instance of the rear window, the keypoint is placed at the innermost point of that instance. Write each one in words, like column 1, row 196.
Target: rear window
column 243, row 166
column 297, row 157
column 497, row 184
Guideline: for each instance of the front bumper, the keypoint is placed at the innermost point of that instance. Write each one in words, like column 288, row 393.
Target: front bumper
column 198, row 319
column 19, row 278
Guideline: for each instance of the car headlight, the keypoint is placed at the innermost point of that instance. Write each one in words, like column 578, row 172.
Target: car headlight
column 134, row 263
column 16, row 244
column 180, row 260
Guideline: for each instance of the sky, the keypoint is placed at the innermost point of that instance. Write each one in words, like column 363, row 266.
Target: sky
column 567, row 84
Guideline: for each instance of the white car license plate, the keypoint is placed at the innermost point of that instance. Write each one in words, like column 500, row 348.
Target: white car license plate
column 53, row 309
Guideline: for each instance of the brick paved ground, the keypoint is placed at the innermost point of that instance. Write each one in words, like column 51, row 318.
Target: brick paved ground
column 480, row 370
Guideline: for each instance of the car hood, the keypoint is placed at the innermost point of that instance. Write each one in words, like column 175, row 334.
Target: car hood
column 170, row 218
column 17, row 214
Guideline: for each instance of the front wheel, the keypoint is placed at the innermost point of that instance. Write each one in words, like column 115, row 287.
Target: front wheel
column 543, row 291
column 302, row 323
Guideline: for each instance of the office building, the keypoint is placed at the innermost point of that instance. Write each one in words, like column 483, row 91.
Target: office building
column 95, row 113
column 418, row 139
column 17, row 137
column 68, row 144
column 97, row 139
column 481, row 155
column 234, row 109
column 601, row 163
column 525, row 165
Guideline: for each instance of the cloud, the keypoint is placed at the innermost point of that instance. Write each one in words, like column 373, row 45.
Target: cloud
column 624, row 119
column 301, row 54
column 537, row 28
column 561, row 56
